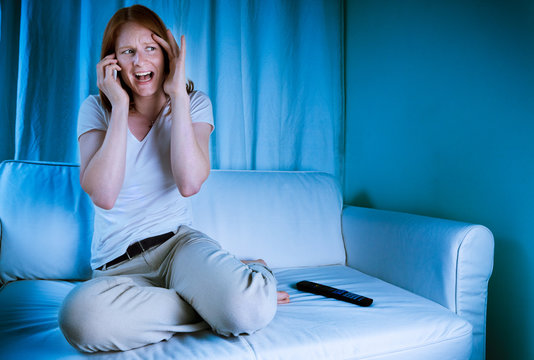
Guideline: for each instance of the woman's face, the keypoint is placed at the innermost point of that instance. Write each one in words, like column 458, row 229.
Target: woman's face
column 141, row 60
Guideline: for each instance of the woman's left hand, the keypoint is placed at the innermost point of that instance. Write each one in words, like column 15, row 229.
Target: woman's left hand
column 175, row 82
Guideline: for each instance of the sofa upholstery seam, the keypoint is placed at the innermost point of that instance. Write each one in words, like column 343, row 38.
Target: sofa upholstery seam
column 457, row 269
column 456, row 281
column 249, row 346
column 37, row 162
column 468, row 231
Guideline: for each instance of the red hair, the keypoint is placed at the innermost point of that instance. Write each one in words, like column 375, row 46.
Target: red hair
column 145, row 17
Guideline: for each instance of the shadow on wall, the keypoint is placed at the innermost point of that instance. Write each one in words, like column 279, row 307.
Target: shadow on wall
column 506, row 289
column 361, row 199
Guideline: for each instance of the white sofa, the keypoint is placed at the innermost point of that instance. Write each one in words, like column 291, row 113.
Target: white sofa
column 428, row 277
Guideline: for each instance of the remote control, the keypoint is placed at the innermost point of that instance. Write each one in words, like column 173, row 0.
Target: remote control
column 331, row 292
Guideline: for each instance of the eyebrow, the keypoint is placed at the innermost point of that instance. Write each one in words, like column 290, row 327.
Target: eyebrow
column 145, row 43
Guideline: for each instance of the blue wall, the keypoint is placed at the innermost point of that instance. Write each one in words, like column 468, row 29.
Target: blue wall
column 440, row 122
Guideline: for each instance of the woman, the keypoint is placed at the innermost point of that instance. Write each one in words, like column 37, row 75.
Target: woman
column 144, row 148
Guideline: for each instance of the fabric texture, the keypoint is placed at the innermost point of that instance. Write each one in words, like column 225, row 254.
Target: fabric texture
column 171, row 288
column 272, row 69
column 149, row 202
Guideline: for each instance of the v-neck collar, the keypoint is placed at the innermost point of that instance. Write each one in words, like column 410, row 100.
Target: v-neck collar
column 143, row 140
column 156, row 122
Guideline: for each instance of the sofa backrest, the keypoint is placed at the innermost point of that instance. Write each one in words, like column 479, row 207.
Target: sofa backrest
column 287, row 218
column 46, row 222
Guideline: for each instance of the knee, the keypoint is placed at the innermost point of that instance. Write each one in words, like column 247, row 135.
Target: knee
column 244, row 316
column 83, row 319
column 248, row 310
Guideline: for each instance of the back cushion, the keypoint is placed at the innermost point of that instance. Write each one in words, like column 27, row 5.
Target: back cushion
column 46, row 222
column 289, row 219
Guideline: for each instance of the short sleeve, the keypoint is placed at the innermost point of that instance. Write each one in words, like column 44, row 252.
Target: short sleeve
column 92, row 116
column 201, row 109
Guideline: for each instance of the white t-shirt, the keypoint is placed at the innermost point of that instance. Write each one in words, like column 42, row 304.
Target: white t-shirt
column 149, row 202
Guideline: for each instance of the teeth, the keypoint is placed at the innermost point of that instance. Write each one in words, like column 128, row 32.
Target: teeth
column 143, row 74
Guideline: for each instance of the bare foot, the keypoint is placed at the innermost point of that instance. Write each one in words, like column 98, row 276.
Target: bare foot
column 261, row 261
column 282, row 296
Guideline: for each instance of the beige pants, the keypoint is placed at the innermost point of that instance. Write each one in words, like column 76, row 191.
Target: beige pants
column 186, row 284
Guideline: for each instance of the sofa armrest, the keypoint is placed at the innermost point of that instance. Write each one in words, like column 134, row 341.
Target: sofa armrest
column 445, row 261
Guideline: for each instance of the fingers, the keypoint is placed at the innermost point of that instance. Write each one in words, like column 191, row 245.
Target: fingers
column 107, row 82
column 171, row 47
column 182, row 46
column 109, row 70
column 173, row 43
column 106, row 66
column 163, row 44
column 107, row 60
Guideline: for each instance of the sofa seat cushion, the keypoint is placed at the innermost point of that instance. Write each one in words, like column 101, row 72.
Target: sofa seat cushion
column 399, row 325
column 29, row 330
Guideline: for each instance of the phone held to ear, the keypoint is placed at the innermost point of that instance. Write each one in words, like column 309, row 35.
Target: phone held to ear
column 115, row 74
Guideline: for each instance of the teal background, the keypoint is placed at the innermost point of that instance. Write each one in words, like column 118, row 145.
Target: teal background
column 439, row 121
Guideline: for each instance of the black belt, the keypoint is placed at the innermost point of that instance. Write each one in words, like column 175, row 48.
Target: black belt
column 138, row 247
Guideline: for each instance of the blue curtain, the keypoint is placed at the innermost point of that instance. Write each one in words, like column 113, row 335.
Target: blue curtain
column 272, row 68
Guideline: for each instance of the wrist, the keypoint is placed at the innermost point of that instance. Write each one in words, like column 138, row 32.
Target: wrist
column 117, row 101
column 180, row 99
column 120, row 107
column 177, row 92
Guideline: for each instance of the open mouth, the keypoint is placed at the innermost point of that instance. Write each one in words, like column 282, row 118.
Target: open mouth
column 144, row 76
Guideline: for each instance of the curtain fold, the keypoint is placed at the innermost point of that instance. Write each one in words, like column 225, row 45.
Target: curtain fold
column 272, row 68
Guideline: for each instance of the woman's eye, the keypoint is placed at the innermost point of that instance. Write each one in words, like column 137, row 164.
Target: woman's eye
column 151, row 48
column 129, row 51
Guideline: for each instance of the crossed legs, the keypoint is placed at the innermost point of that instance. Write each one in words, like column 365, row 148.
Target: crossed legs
column 186, row 284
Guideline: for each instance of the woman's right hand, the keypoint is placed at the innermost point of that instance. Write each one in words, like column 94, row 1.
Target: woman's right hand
column 107, row 82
